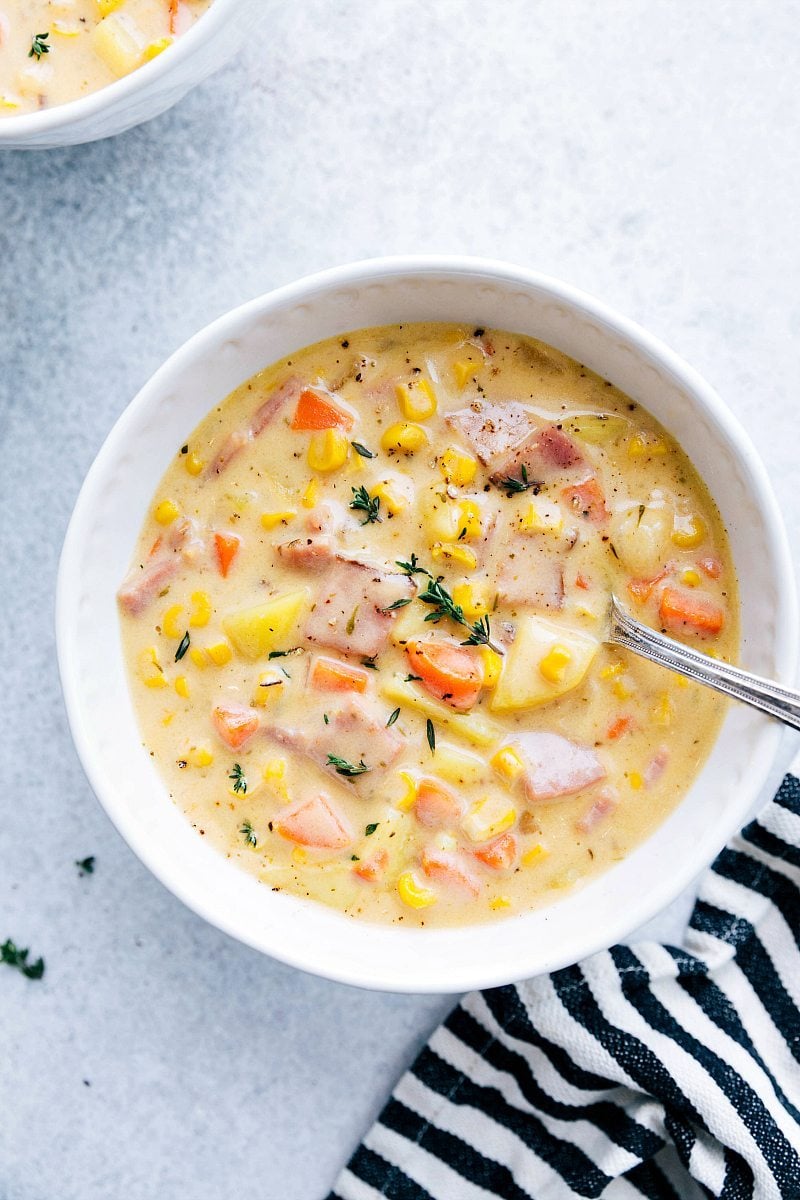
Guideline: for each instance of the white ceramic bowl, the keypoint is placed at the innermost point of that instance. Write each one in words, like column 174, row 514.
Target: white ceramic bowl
column 144, row 93
column 106, row 522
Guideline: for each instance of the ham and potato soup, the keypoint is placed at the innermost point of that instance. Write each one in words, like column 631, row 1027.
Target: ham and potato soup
column 364, row 624
column 52, row 51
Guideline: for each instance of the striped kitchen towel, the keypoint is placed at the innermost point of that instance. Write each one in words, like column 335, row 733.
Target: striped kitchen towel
column 649, row 1070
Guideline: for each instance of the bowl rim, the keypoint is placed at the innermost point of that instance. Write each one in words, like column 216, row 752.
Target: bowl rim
column 381, row 270
column 71, row 112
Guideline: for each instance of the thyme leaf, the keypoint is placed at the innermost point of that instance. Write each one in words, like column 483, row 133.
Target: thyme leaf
column 348, row 769
column 13, row 956
column 363, row 451
column 239, row 781
column 370, row 505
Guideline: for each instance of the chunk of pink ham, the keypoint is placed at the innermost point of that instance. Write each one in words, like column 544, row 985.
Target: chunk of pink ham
column 451, row 869
column 656, row 767
column 264, row 415
column 597, row 811
column 356, row 731
column 555, row 766
column 529, row 576
column 506, row 436
column 545, row 454
column 316, row 822
column 316, row 553
column 146, row 581
column 350, row 613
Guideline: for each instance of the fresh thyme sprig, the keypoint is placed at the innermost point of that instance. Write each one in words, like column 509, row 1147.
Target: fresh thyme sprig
column 39, row 46
column 514, row 486
column 13, row 956
column 445, row 606
column 366, row 503
column 239, row 781
column 362, row 450
column 348, row 769
column 249, row 834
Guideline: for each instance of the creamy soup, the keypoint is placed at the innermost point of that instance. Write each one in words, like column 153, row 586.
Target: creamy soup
column 52, row 51
column 364, row 618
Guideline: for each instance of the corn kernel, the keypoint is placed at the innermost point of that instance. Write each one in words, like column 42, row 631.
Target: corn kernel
column 328, row 450
column 417, row 401
column 463, row 370
column 404, row 436
column 193, row 463
column 453, row 552
column 468, row 597
column 682, row 682
column 611, row 670
column 639, row 447
column 65, row 29
column 165, row 512
column 9, row 102
column 690, row 577
column 408, row 799
column 498, row 902
column 274, row 770
column 220, row 653
column 107, row 6
column 269, row 520
column 621, row 689
column 310, row 494
column 167, row 718
column 299, row 856
column 555, row 662
column 200, row 756
column 413, row 893
column 157, row 47
column 534, row 855
column 689, row 532
column 470, row 519
column 155, row 681
column 198, row 657
column 201, row 610
column 391, row 498
column 150, row 669
column 169, row 625
column 635, row 779
column 542, row 518
column 664, row 710
column 182, row 687
column 507, row 763
column 457, row 467
column 488, row 818
column 268, row 687
column 492, row 666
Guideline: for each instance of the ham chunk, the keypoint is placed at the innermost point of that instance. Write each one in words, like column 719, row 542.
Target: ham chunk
column 597, row 811
column 529, row 577
column 356, row 731
column 507, row 437
column 350, row 614
column 146, row 581
column 264, row 415
column 556, row 767
column 316, row 822
column 309, row 553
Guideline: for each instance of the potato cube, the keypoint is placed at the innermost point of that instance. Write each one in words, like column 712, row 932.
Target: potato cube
column 522, row 684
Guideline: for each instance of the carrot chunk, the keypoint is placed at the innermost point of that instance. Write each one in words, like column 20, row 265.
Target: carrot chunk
column 679, row 609
column 331, row 675
column 641, row 589
column 618, row 727
column 372, row 868
column 710, row 566
column 448, row 671
column 317, row 411
column 226, row 546
column 436, row 805
column 500, row 854
column 235, row 723
column 588, row 500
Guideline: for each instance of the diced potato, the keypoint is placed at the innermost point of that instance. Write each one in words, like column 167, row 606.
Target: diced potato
column 408, row 624
column 459, row 766
column 492, row 666
column 488, row 818
column 641, row 538
column 521, row 684
column 463, row 370
column 118, row 41
column 598, row 428
column 454, row 554
column 472, row 726
column 256, row 631
column 474, row 599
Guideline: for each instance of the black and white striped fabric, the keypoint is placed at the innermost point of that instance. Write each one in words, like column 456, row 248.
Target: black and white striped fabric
column 650, row 1070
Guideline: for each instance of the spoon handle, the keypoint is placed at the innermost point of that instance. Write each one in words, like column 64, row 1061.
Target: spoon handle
column 780, row 702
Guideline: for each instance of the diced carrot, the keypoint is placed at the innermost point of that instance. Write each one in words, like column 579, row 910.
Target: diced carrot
column 331, row 675
column 156, row 546
column 500, row 854
column 710, row 566
column 448, row 671
column 174, row 5
column 235, row 723
column 618, row 727
column 641, row 589
column 372, row 868
column 226, row 546
column 449, row 868
column 582, row 582
column 317, row 411
column 436, row 805
column 317, row 822
column 679, row 609
column 588, row 500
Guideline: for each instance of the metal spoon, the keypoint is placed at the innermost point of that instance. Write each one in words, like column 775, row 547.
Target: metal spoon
column 768, row 697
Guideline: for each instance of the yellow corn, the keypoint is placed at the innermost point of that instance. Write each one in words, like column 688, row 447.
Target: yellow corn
column 156, row 48
column 167, row 718
column 664, row 710
column 682, row 682
column 541, row 518
column 470, row 519
column 413, row 893
column 455, row 553
column 535, row 854
column 165, row 512
column 391, row 498
column 299, row 856
column 169, row 624
column 201, row 610
column 193, row 463
column 328, row 450
column 690, row 577
column 417, row 400
column 200, row 756
column 269, row 520
column 107, row 6
column 275, row 769
column 463, row 370
column 404, row 436
column 507, row 763
column 65, row 30
column 269, row 687
column 310, row 494
column 611, row 670
column 468, row 597
column 409, row 796
column 182, row 687
column 8, row 102
column 498, row 902
column 457, row 467
column 155, row 681
column 689, row 532
column 555, row 663
column 220, row 653
column 621, row 689
column 488, row 818
column 639, row 447
column 635, row 780
column 198, row 657
column 492, row 665
column 150, row 669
